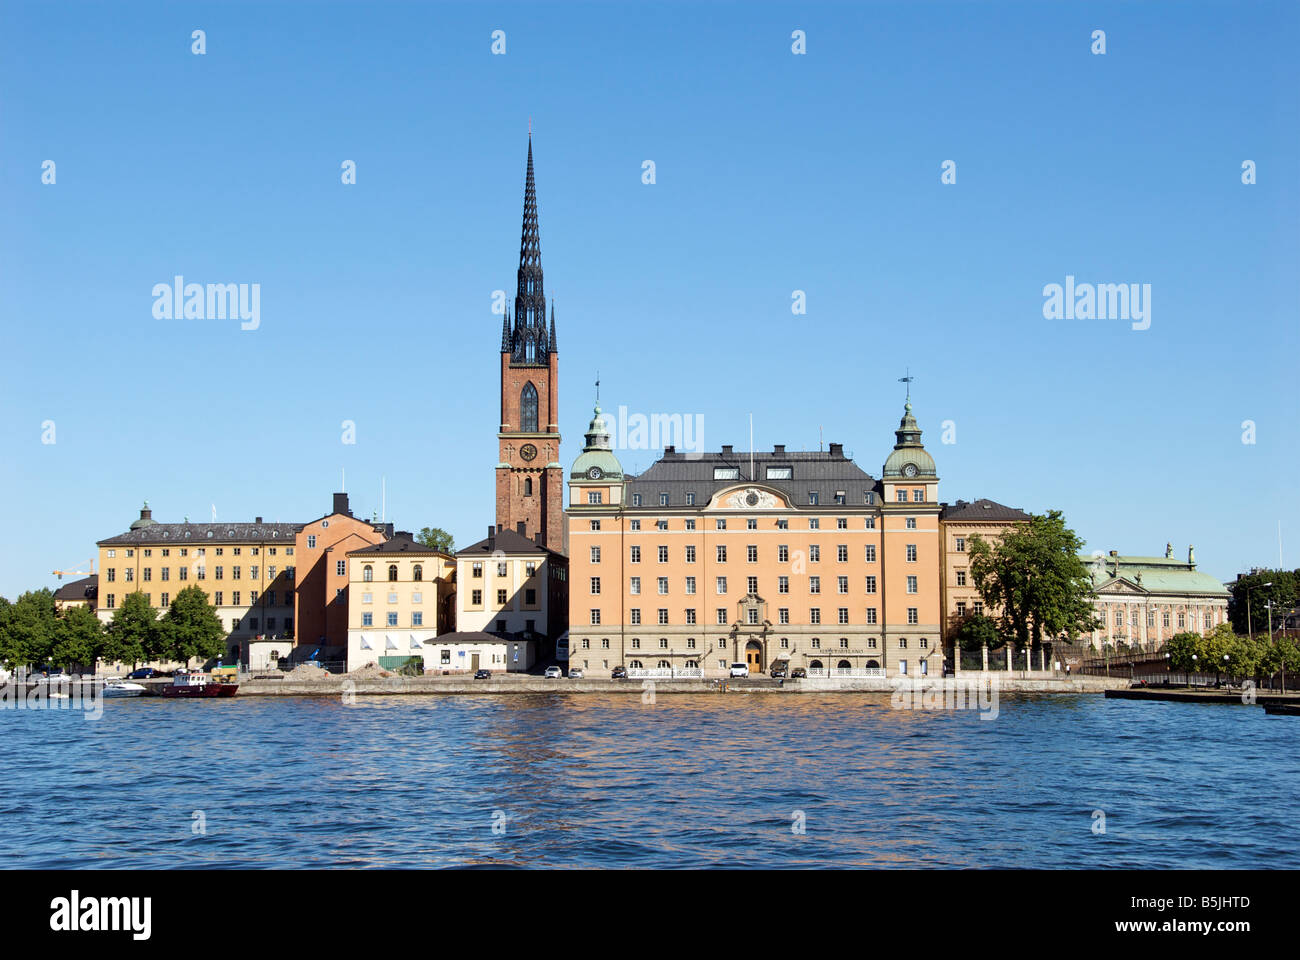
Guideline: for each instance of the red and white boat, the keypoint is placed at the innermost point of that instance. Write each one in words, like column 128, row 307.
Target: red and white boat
column 187, row 684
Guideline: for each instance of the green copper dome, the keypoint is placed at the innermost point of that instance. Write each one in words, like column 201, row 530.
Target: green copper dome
column 908, row 451
column 146, row 518
column 597, row 460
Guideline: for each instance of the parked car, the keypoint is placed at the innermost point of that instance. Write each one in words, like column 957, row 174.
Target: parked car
column 778, row 673
column 144, row 673
column 798, row 673
column 553, row 673
column 740, row 670
column 618, row 673
column 575, row 673
column 483, row 675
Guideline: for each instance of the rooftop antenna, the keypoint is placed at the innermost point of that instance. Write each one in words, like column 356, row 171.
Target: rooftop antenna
column 214, row 513
column 819, row 439
column 908, row 380
column 343, row 483
column 383, row 499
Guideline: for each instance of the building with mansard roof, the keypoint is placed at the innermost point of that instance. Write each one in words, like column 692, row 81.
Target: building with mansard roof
column 1146, row 600
column 774, row 558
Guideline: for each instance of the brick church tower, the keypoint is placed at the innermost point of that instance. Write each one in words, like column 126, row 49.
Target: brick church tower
column 529, row 475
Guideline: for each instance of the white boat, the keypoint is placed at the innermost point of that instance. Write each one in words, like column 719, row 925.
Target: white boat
column 123, row 688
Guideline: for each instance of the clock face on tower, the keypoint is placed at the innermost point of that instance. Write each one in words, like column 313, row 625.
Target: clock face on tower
column 909, row 470
column 528, row 452
column 594, row 473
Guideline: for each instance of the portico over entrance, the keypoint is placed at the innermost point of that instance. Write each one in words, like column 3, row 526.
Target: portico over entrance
column 754, row 656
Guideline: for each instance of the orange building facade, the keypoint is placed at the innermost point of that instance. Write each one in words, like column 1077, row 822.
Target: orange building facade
column 321, row 595
column 782, row 558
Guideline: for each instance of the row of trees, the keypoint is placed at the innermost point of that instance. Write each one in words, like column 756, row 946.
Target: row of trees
column 1281, row 594
column 33, row 632
column 1222, row 651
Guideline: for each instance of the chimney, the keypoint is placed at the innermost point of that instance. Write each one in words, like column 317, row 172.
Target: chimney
column 779, row 449
column 341, row 504
column 1191, row 556
column 837, row 449
column 540, row 539
column 670, row 450
column 521, row 528
column 726, row 449
column 257, row 519
column 1114, row 553
column 492, row 536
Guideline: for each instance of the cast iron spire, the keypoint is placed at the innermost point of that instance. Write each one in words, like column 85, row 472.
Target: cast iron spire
column 529, row 339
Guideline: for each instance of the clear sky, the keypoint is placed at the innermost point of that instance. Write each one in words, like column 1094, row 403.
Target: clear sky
column 774, row 172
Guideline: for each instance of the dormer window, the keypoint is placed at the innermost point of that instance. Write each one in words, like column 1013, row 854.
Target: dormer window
column 726, row 473
column 780, row 473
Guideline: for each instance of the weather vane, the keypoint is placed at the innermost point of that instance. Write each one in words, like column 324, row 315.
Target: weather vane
column 597, row 388
column 908, row 380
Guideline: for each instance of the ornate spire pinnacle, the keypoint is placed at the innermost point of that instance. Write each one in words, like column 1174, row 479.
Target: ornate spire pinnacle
column 550, row 346
column 505, row 331
column 529, row 342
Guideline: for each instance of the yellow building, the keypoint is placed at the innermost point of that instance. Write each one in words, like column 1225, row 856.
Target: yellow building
column 960, row 522
column 774, row 558
column 401, row 593
column 246, row 569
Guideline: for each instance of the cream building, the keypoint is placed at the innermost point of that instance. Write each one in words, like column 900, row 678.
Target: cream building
column 960, row 522
column 1146, row 600
column 472, row 651
column 400, row 594
column 514, row 587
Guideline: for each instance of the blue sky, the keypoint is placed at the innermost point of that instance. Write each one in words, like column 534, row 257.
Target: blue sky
column 774, row 173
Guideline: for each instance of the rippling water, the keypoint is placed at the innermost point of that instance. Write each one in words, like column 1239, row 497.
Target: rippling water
column 607, row 781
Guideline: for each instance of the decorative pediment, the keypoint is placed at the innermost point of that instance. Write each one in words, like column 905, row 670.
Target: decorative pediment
column 1122, row 586
column 750, row 496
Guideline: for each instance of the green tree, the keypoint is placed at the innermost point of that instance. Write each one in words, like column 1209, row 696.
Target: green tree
column 1282, row 594
column 1282, row 656
column 1034, row 577
column 79, row 638
column 134, row 634
column 1182, row 647
column 975, row 630
column 437, row 538
column 191, row 627
column 27, row 631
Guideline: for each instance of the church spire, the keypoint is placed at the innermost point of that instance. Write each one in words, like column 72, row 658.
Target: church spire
column 529, row 342
column 550, row 346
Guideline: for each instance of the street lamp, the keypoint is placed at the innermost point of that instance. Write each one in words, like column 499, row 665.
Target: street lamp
column 1190, row 672
column 1250, row 633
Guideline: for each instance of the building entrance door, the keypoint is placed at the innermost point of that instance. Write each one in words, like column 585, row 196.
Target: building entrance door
column 473, row 662
column 754, row 656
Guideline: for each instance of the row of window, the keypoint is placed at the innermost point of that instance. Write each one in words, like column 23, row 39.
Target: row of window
column 503, row 569
column 813, row 664
column 1207, row 619
column 218, row 599
column 923, row 643
column 368, row 572
column 814, row 554
column 752, row 616
column 200, row 573
column 751, row 585
column 503, row 597
column 368, row 619
column 751, row 523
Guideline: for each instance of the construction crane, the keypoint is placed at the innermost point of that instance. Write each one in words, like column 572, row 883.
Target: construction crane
column 79, row 573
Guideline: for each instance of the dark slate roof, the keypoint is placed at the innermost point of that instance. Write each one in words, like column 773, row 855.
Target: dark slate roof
column 400, row 542
column 825, row 472
column 469, row 636
column 989, row 510
column 87, row 588
column 507, row 541
column 197, row 534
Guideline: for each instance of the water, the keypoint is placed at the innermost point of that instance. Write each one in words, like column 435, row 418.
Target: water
column 607, row 781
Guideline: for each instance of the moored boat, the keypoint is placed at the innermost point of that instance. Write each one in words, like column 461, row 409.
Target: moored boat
column 123, row 688
column 190, row 685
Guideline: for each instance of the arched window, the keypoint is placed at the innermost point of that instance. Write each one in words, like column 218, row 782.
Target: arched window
column 843, row 665
column 418, row 573
column 665, row 665
column 367, row 573
column 528, row 486
column 392, row 571
column 634, row 665
column 815, row 665
column 528, row 408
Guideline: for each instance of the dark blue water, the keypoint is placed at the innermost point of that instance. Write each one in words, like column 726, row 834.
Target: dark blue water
column 608, row 781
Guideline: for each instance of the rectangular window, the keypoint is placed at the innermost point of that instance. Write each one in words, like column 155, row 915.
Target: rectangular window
column 663, row 586
column 918, row 496
column 690, row 584
column 720, row 524
column 782, row 584
column 690, row 619
column 977, row 607
column 751, row 554
column 722, row 584
column 722, row 553
column 871, row 614
column 911, row 615
column 417, row 619
column 634, row 586
column 782, row 553
column 960, row 545
column 635, row 525
column 690, row 499
column 815, row 523
column 530, row 597
column 663, row 499
column 722, row 619
column 842, row 553
column 813, row 498
column 871, row 584
column 636, row 499
column 751, row 585
column 663, row 554
column 663, row 616
column 783, row 615
column 593, row 496
column 661, row 524
column 476, row 597
column 911, row 553
column 595, row 525
column 961, row 578
column 814, row 584
column 595, row 618
column 311, row 541
column 690, row 553
column 780, row 473
column 844, row 614
column 595, row 585
column 690, row 524
column 783, row 524
column 814, row 553
column 636, row 616
column 636, row 554
column 392, row 618
column 815, row 615
column 726, row 473
column 367, row 619
column 842, row 584
column 911, row 584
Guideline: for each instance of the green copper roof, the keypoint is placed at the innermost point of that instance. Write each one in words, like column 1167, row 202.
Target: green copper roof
column 908, row 449
column 597, row 452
